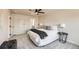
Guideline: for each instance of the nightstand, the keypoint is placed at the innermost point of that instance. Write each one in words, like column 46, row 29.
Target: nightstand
column 63, row 36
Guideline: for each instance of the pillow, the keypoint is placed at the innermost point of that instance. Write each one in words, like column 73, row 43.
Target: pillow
column 45, row 27
column 54, row 28
column 48, row 28
column 11, row 44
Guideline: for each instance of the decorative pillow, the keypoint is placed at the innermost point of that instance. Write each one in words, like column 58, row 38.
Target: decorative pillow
column 45, row 27
column 48, row 28
column 11, row 44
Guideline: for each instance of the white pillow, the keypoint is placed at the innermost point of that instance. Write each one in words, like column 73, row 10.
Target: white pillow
column 54, row 27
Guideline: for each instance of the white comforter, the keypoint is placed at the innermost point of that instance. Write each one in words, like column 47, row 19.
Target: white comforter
column 52, row 36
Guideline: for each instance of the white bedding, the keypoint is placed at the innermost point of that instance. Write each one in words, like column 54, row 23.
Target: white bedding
column 52, row 36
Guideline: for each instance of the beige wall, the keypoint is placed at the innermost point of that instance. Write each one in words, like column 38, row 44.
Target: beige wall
column 21, row 23
column 69, row 17
column 4, row 24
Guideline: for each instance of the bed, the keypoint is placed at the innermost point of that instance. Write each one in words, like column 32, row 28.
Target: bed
column 51, row 36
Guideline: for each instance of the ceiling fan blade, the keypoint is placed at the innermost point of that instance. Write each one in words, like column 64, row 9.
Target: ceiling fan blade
column 39, row 9
column 41, row 12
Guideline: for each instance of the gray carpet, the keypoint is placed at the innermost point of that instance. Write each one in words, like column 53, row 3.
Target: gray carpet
column 23, row 42
column 59, row 45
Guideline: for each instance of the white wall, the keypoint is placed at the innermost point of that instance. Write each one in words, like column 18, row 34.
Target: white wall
column 21, row 23
column 4, row 27
column 69, row 17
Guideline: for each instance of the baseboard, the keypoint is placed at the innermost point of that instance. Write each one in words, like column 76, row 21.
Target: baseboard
column 73, row 42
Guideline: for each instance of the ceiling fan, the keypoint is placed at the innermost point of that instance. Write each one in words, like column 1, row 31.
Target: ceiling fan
column 37, row 11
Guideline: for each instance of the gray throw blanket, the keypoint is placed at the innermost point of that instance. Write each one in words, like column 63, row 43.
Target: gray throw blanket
column 42, row 34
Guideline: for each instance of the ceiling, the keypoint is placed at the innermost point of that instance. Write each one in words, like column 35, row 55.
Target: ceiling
column 20, row 11
column 24, row 11
column 30, row 11
column 47, row 11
